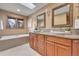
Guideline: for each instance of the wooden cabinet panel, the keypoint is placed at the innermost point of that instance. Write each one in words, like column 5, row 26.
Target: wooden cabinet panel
column 41, row 47
column 61, row 50
column 50, row 38
column 50, row 51
column 59, row 40
column 54, row 46
column 41, row 44
column 31, row 40
column 63, row 41
column 35, row 41
column 75, row 48
column 41, row 37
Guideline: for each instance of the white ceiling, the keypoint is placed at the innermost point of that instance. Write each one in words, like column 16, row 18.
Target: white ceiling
column 12, row 7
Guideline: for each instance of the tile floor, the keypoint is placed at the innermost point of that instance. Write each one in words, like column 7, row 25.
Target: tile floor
column 23, row 50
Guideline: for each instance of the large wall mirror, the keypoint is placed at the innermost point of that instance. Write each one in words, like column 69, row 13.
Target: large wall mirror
column 63, row 15
column 41, row 20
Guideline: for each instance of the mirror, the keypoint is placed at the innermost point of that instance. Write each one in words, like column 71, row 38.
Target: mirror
column 62, row 15
column 41, row 20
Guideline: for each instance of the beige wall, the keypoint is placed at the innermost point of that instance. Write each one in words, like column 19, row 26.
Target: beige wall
column 48, row 10
column 6, row 31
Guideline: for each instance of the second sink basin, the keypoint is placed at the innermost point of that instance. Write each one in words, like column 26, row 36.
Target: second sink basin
column 58, row 32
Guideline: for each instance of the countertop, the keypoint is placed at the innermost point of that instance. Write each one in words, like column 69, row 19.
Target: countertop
column 13, row 36
column 69, row 36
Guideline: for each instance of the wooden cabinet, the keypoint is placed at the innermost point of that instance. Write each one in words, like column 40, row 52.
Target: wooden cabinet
column 33, row 41
column 57, row 46
column 41, row 44
column 36, row 42
column 62, row 50
column 50, row 51
column 53, row 45
column 75, row 48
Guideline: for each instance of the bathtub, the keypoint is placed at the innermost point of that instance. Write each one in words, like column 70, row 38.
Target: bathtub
column 7, row 42
column 13, row 36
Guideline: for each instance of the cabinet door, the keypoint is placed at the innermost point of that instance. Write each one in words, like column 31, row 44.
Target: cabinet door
column 35, row 42
column 75, row 48
column 50, row 51
column 41, row 44
column 31, row 40
column 61, row 50
column 41, row 47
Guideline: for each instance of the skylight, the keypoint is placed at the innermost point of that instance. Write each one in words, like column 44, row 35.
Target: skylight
column 29, row 5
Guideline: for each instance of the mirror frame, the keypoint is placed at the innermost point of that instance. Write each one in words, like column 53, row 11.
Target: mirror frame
column 43, row 19
column 70, row 13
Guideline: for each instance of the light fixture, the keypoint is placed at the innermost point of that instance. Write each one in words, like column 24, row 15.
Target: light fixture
column 18, row 10
column 29, row 5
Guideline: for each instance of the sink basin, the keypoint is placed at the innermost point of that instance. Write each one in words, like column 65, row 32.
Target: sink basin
column 58, row 32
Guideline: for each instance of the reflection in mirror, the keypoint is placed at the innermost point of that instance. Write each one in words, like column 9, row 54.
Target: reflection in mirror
column 62, row 10
column 62, row 15
column 41, row 21
column 1, row 25
column 62, row 18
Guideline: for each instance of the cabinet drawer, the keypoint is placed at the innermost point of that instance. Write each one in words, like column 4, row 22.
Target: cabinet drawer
column 49, row 38
column 62, row 41
column 59, row 40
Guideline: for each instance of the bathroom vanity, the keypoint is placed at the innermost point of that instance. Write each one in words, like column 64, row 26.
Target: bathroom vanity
column 48, row 44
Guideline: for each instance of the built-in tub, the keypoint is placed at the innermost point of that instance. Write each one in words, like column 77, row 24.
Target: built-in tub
column 7, row 42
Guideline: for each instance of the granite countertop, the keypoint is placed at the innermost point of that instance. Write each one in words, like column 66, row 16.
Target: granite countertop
column 13, row 36
column 69, row 36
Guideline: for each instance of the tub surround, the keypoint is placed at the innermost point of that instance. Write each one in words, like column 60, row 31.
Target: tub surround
column 13, row 36
column 10, row 41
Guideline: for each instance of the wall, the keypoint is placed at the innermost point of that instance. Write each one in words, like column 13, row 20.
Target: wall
column 6, row 31
column 48, row 10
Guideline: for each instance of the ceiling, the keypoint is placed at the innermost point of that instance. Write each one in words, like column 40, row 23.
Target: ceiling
column 12, row 7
